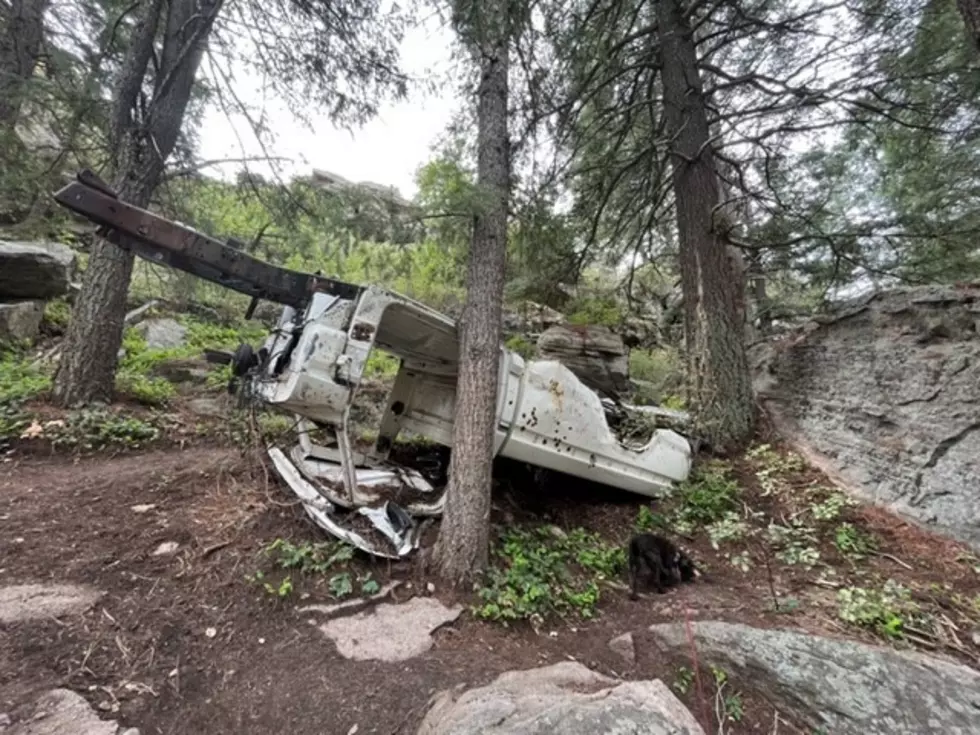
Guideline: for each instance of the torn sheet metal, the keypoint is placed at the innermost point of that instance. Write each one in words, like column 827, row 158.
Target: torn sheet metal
column 371, row 486
column 399, row 533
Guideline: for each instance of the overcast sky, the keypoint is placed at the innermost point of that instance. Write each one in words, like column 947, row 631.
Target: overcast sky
column 387, row 151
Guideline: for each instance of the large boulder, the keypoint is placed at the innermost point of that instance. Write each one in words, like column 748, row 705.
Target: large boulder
column 565, row 698
column 20, row 320
column 529, row 317
column 843, row 687
column 595, row 354
column 35, row 270
column 883, row 395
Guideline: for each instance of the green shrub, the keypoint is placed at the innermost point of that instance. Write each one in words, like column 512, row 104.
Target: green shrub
column 539, row 572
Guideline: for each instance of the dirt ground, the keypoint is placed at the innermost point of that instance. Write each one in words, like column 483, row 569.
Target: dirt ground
column 143, row 653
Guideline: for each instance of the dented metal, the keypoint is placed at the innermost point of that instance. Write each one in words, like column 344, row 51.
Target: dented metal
column 313, row 362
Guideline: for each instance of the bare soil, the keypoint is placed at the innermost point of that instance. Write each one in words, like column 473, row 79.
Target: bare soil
column 184, row 643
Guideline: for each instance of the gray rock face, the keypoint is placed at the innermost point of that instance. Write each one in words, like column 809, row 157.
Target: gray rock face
column 595, row 354
column 885, row 397
column 844, row 687
column 35, row 270
column 162, row 334
column 20, row 319
column 564, row 698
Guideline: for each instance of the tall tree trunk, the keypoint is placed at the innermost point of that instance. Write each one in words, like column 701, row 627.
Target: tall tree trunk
column 21, row 37
column 463, row 544
column 719, row 386
column 142, row 145
column 970, row 10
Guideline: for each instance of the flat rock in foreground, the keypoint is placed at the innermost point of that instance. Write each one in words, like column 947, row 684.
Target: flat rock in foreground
column 62, row 712
column 565, row 698
column 34, row 601
column 390, row 632
column 844, row 687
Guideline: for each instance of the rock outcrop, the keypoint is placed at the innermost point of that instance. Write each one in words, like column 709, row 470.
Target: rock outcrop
column 843, row 687
column 565, row 698
column 595, row 354
column 884, row 396
column 30, row 274
column 35, row 270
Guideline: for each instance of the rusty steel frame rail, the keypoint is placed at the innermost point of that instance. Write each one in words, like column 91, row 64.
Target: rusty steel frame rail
column 165, row 242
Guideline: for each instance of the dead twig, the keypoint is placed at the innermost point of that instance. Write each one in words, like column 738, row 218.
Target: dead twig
column 893, row 558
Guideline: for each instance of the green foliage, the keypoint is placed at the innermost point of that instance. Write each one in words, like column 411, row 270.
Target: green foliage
column 707, row 496
column 683, row 680
column 278, row 591
column 308, row 558
column 797, row 543
column 340, row 585
column 19, row 381
column 540, row 572
column 830, row 508
column 100, row 428
column 662, row 373
column 729, row 528
column 146, row 390
column 647, row 520
column 853, row 542
column 57, row 314
column 521, row 345
column 888, row 611
column 381, row 364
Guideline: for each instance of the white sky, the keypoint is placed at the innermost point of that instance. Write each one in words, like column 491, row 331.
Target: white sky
column 388, row 150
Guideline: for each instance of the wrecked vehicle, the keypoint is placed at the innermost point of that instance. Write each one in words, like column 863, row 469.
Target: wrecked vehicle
column 312, row 365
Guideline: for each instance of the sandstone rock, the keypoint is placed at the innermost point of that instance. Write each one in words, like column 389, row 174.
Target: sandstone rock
column 564, row 698
column 35, row 270
column 883, row 395
column 844, row 687
column 31, row 601
column 163, row 334
column 63, row 712
column 20, row 319
column 595, row 354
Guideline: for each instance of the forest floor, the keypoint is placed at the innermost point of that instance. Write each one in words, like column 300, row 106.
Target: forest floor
column 186, row 643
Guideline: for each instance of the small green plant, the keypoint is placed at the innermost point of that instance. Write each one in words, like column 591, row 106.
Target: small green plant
column 729, row 528
column 797, row 543
column 279, row 591
column 708, row 496
column 773, row 467
column 853, row 542
column 369, row 586
column 683, row 680
column 341, row 585
column 19, row 381
column 521, row 345
column 732, row 703
column 887, row 611
column 541, row 571
column 148, row 391
column 741, row 561
column 309, row 558
column 381, row 364
column 57, row 314
column 647, row 520
column 98, row 428
column 830, row 508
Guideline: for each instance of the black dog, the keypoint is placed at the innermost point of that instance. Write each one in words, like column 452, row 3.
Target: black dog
column 666, row 564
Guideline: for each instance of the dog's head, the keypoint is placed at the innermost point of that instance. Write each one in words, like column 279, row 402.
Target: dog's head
column 686, row 566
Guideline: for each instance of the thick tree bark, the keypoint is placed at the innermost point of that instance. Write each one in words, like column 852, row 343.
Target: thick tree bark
column 970, row 10
column 21, row 38
column 463, row 544
column 142, row 145
column 719, row 385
